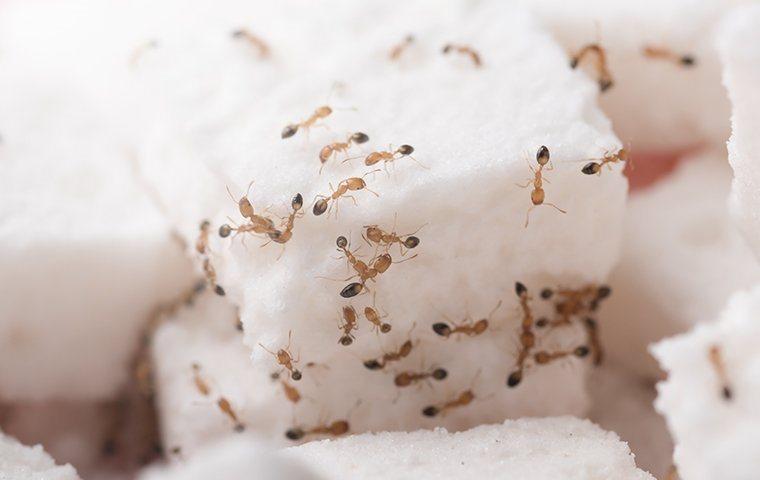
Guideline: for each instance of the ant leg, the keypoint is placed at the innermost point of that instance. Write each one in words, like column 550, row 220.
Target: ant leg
column 552, row 205
column 527, row 216
column 528, row 182
column 419, row 163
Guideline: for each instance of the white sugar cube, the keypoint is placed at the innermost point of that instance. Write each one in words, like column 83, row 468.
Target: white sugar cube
column 682, row 258
column 219, row 114
column 738, row 45
column 712, row 393
column 19, row 462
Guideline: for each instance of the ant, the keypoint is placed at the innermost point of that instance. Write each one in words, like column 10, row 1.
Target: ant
column 404, row 379
column 468, row 327
column 464, row 398
column 592, row 331
column 225, row 406
column 537, row 194
column 210, row 273
column 200, row 383
column 543, row 357
column 465, row 50
column 335, row 429
column 375, row 319
column 320, row 113
column 605, row 78
column 329, row 150
column 253, row 40
column 663, row 53
column 282, row 236
column 291, row 392
column 349, row 316
column 257, row 223
column 716, row 359
column 285, row 358
column 388, row 156
column 374, row 234
column 592, row 168
column 402, row 352
column 380, row 265
column 201, row 244
column 527, row 337
column 350, row 184
column 400, row 47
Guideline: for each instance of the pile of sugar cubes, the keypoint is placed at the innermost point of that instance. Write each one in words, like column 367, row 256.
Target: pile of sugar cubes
column 379, row 240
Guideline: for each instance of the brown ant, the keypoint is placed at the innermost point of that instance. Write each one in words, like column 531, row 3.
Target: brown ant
column 388, row 156
column 537, row 195
column 716, row 359
column 592, row 332
column 378, row 364
column 596, row 167
column 225, row 406
column 464, row 50
column 350, row 184
column 334, row 429
column 257, row 223
column 464, row 399
column 605, row 78
column 282, row 236
column 380, row 265
column 375, row 319
column 543, row 357
column 350, row 319
column 201, row 244
column 468, row 327
column 210, row 272
column 663, row 53
column 320, row 113
column 527, row 337
column 404, row 379
column 253, row 40
column 200, row 383
column 374, row 234
column 285, row 358
column 400, row 47
column 329, row 150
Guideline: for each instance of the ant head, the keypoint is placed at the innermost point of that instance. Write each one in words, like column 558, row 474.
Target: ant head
column 411, row 242
column 385, row 328
column 542, row 322
column 514, row 378
column 542, row 156
column 374, row 233
column 581, row 351
column 320, row 206
column 406, row 149
column 442, row 329
column 547, row 293
column 351, row 290
column 239, row 428
column 296, row 375
column 591, row 168
column 372, row 364
column 297, row 202
column 341, row 242
column 359, row 137
column 294, row 434
column 520, row 289
column 219, row 290
column 346, row 340
column 440, row 373
column 688, row 61
column 205, row 224
column 430, row 411
column 225, row 230
column 289, row 131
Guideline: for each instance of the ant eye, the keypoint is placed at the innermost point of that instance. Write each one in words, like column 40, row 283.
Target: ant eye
column 359, row 137
column 289, row 131
column 297, row 202
column 225, row 230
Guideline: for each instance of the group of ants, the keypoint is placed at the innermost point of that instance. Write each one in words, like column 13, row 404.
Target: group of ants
column 570, row 305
